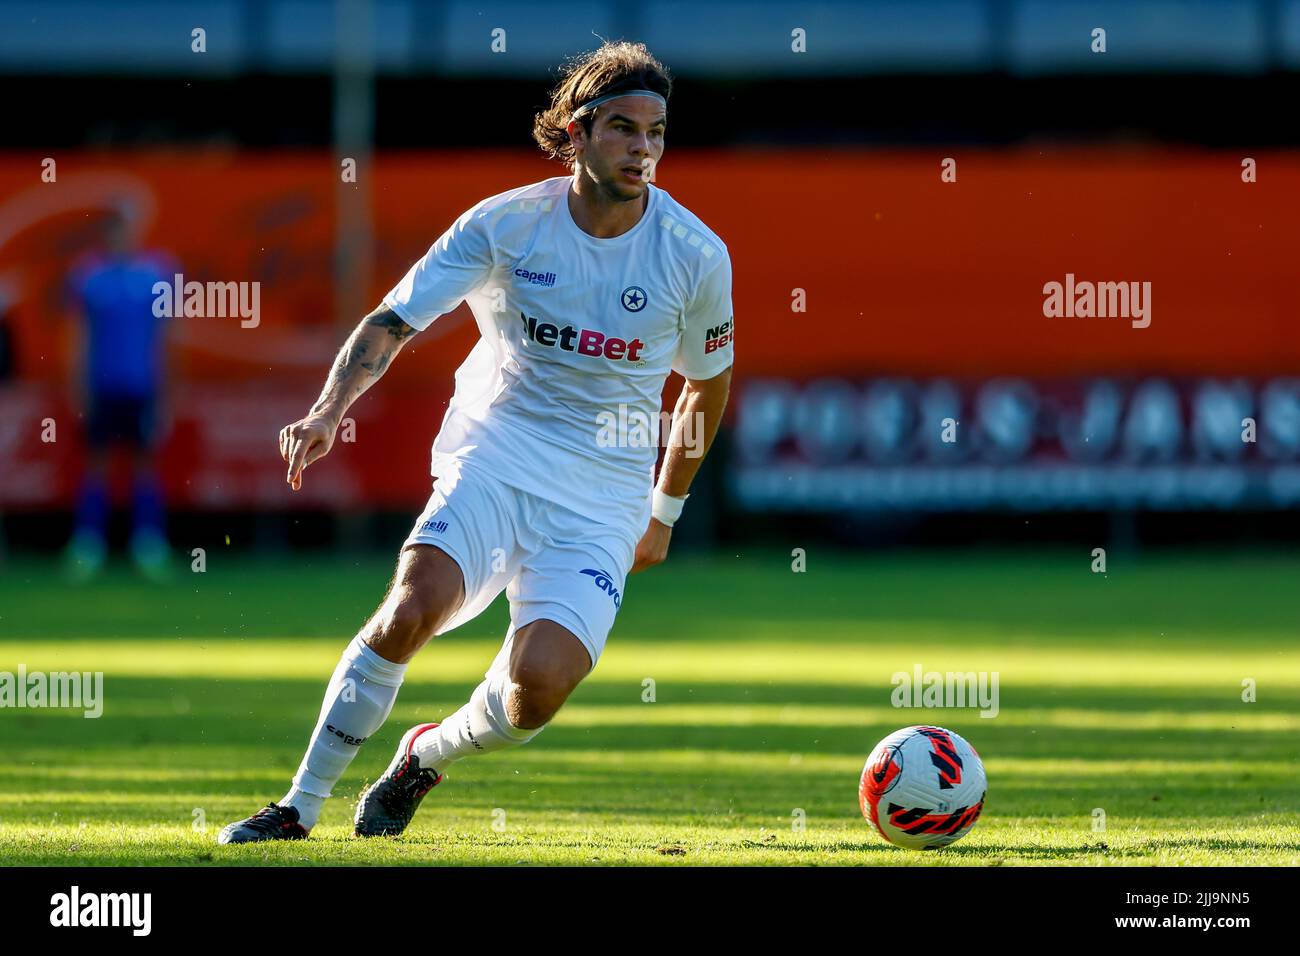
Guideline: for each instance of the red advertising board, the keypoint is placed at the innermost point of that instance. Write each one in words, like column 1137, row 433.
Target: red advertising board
column 853, row 263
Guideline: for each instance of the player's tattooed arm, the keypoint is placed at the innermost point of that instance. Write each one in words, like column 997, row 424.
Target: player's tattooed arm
column 392, row 323
column 362, row 360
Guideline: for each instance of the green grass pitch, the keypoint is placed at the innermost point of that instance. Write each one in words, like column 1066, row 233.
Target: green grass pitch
column 1120, row 691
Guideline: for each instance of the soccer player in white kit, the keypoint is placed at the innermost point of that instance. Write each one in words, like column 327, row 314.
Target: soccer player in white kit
column 587, row 290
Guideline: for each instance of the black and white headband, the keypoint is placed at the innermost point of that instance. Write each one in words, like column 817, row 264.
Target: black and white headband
column 590, row 105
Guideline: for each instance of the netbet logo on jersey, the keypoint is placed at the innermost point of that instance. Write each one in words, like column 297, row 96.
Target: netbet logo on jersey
column 582, row 341
column 718, row 336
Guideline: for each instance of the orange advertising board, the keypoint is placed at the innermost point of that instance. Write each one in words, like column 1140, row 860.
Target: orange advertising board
column 851, row 262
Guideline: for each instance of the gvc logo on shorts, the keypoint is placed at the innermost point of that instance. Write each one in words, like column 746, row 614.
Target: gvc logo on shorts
column 605, row 582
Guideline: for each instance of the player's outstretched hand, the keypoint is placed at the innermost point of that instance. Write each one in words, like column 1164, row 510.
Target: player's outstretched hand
column 303, row 442
column 652, row 549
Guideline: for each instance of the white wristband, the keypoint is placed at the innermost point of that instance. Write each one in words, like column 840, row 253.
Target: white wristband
column 666, row 509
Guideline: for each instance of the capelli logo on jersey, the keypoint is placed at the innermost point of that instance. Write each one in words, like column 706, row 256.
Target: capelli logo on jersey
column 536, row 278
column 606, row 583
column 582, row 341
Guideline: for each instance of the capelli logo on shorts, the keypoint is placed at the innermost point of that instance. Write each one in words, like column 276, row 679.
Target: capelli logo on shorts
column 434, row 527
column 605, row 582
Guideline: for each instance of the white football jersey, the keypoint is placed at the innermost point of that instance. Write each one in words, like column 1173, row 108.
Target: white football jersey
column 561, row 394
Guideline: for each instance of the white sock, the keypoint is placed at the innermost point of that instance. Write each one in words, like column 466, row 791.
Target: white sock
column 357, row 701
column 480, row 727
column 307, row 804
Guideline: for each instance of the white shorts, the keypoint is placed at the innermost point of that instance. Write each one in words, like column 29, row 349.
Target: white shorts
column 553, row 563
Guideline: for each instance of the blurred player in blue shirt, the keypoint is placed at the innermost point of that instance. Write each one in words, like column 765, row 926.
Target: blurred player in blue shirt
column 123, row 375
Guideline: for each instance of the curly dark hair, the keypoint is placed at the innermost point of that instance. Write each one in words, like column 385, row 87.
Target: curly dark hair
column 616, row 65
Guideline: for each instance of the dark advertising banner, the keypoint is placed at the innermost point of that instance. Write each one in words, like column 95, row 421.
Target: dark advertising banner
column 939, row 444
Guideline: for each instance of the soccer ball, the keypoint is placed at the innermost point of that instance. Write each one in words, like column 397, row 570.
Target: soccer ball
column 923, row 787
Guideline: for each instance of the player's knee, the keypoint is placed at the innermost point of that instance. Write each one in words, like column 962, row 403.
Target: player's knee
column 410, row 621
column 432, row 581
column 534, row 704
column 425, row 593
column 405, row 623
